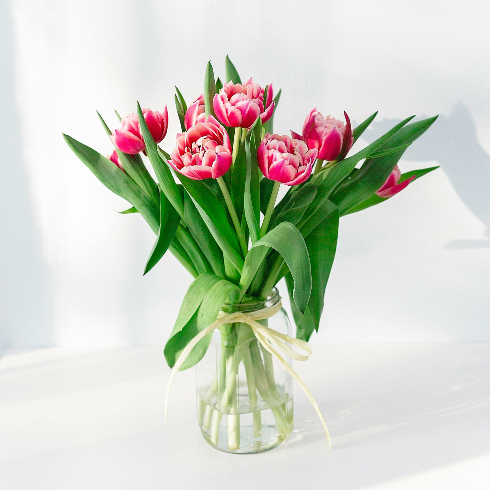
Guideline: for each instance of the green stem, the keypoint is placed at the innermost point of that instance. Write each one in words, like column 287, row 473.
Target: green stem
column 252, row 391
column 233, row 215
column 318, row 167
column 270, row 209
column 266, row 392
column 236, row 144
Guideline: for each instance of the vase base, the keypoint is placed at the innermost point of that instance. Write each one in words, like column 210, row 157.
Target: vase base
column 250, row 432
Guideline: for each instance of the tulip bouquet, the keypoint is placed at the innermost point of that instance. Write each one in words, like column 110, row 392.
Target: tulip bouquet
column 214, row 204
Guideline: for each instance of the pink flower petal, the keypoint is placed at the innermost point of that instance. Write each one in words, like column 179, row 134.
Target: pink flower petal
column 220, row 109
column 265, row 116
column 391, row 191
column 296, row 136
column 280, row 171
column 331, row 145
column 302, row 177
column 270, row 95
column 127, row 142
column 221, row 165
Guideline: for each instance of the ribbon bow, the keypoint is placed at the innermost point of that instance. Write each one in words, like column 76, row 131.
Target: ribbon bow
column 270, row 339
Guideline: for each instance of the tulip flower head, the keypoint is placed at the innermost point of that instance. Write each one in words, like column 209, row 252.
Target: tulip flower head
column 128, row 138
column 285, row 160
column 203, row 152
column 330, row 136
column 391, row 186
column 239, row 106
column 115, row 159
column 195, row 113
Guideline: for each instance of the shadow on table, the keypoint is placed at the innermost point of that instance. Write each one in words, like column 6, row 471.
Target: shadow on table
column 433, row 406
column 35, row 374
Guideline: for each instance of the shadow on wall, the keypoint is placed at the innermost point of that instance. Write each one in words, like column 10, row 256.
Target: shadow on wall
column 453, row 143
column 25, row 315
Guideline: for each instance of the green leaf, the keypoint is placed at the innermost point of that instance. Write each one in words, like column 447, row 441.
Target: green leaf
column 363, row 126
column 215, row 216
column 128, row 211
column 181, row 107
column 342, row 169
column 169, row 221
column 295, row 208
column 203, row 237
column 266, row 186
column 374, row 199
column 289, row 243
column 116, row 180
column 199, row 309
column 252, row 194
column 390, row 151
column 256, row 130
column 207, row 314
column 305, row 324
column 192, row 301
column 328, row 180
column 322, row 245
column 374, row 172
column 164, row 176
column 181, row 100
column 182, row 256
column 231, row 72
column 409, row 133
column 104, row 125
column 219, row 85
column 180, row 113
column 310, row 222
column 209, row 90
column 269, row 125
column 135, row 168
column 192, row 248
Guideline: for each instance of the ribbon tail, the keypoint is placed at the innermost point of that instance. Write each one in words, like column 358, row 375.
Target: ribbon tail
column 293, row 373
column 183, row 356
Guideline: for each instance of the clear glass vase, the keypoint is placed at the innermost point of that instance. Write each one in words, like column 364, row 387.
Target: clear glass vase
column 244, row 395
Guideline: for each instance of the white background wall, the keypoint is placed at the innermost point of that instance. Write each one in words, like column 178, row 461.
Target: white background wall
column 414, row 269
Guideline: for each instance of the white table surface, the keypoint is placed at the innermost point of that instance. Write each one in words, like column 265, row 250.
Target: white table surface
column 401, row 416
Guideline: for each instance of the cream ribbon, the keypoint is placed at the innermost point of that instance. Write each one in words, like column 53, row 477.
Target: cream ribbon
column 268, row 339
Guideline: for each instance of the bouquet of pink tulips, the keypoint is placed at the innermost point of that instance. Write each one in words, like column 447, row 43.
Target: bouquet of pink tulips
column 214, row 204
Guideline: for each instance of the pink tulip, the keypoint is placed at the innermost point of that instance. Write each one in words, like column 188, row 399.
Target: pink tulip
column 285, row 160
column 128, row 139
column 391, row 186
column 203, row 152
column 332, row 137
column 115, row 159
column 195, row 113
column 239, row 106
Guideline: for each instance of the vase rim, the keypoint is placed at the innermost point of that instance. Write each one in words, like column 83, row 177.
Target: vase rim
column 251, row 305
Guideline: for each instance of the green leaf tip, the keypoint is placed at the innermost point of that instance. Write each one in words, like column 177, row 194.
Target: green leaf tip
column 209, row 89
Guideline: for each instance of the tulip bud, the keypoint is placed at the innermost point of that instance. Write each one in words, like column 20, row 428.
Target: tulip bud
column 115, row 159
column 391, row 186
column 239, row 106
column 129, row 140
column 203, row 152
column 285, row 160
column 331, row 137
column 195, row 113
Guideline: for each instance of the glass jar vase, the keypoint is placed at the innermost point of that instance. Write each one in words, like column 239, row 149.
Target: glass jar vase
column 244, row 395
